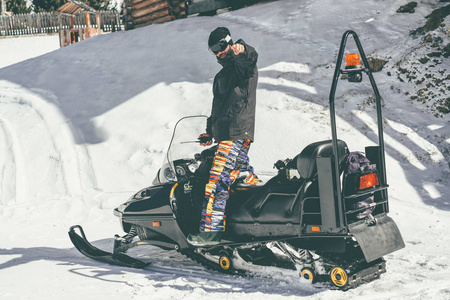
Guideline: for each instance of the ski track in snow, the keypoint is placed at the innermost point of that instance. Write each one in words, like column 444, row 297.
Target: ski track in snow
column 8, row 176
column 54, row 140
column 258, row 26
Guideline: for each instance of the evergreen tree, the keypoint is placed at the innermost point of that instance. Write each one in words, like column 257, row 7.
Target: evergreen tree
column 18, row 7
column 47, row 5
column 98, row 4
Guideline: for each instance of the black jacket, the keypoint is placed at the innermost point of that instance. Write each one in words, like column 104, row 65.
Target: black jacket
column 234, row 89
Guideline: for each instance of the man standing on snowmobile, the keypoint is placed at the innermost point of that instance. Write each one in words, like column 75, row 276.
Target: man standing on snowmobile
column 231, row 124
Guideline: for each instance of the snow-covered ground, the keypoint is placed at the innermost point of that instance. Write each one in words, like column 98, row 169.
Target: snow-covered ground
column 83, row 127
column 17, row 49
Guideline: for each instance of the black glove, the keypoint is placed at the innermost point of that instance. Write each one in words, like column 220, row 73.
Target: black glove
column 204, row 139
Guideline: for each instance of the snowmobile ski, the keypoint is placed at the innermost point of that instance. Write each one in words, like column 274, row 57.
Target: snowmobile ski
column 87, row 249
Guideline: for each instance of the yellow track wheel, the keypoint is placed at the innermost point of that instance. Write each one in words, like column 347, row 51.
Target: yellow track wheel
column 339, row 277
column 225, row 262
column 308, row 274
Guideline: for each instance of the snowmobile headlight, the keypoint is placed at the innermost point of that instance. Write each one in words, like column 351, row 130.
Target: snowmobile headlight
column 355, row 76
column 169, row 174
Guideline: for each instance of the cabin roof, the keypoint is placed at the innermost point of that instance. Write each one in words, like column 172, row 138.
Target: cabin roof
column 74, row 6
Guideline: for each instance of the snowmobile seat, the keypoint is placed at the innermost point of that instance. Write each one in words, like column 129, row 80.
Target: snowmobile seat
column 306, row 160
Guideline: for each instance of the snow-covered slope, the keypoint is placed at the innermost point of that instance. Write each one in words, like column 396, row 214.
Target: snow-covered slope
column 83, row 127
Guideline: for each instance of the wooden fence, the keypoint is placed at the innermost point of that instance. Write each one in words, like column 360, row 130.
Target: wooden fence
column 48, row 23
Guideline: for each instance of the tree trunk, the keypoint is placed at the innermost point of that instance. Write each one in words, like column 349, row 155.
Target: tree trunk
column 3, row 7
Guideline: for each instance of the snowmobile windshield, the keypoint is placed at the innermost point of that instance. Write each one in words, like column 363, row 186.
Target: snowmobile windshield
column 184, row 145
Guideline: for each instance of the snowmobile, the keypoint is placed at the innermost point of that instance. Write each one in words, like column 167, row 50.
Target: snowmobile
column 306, row 218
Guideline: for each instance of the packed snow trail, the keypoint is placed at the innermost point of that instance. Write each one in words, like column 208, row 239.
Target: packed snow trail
column 45, row 139
column 8, row 176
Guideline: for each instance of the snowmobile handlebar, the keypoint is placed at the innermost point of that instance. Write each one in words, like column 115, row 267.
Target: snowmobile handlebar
column 201, row 140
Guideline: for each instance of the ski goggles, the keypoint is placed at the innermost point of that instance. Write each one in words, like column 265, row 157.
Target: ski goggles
column 220, row 45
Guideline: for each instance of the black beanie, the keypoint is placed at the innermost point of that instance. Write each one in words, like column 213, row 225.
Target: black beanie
column 218, row 34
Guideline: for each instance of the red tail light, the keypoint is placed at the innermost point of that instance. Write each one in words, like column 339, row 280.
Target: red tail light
column 368, row 180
